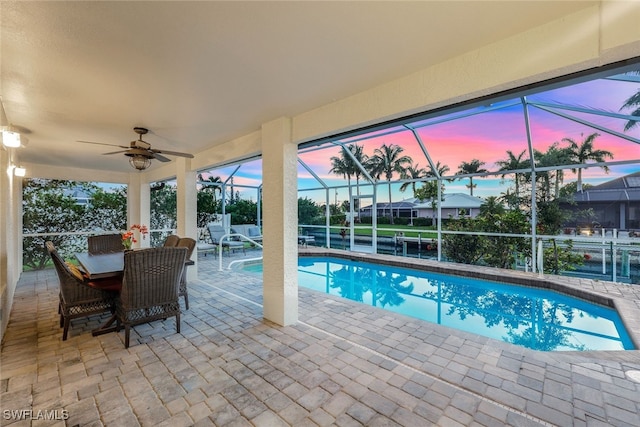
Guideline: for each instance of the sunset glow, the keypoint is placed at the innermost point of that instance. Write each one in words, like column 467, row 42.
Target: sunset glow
column 487, row 137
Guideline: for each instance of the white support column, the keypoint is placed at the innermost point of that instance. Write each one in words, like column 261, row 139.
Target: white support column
column 139, row 204
column 187, row 202
column 280, row 212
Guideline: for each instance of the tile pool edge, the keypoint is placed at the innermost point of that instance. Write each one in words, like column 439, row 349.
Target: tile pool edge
column 628, row 311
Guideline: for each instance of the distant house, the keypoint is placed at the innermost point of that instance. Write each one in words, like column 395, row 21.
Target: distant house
column 616, row 203
column 454, row 205
column 79, row 195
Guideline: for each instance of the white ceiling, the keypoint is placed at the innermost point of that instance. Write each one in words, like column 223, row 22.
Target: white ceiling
column 200, row 73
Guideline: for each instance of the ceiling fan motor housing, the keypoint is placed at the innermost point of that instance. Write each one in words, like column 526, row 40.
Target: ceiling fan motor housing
column 138, row 143
column 138, row 151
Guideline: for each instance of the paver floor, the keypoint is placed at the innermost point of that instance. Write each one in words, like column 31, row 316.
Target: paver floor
column 342, row 364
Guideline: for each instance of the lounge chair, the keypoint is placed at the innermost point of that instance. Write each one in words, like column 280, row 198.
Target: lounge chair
column 255, row 234
column 216, row 233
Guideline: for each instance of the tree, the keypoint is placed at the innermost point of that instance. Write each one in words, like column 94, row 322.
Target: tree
column 554, row 156
column 472, row 167
column 501, row 251
column 107, row 210
column 163, row 207
column 429, row 191
column 243, row 211
column 49, row 207
column 308, row 210
column 550, row 219
column 584, row 151
column 386, row 161
column 438, row 170
column 346, row 166
column 340, row 166
column 362, row 159
column 463, row 248
column 632, row 102
column 412, row 172
column 207, row 202
column 513, row 162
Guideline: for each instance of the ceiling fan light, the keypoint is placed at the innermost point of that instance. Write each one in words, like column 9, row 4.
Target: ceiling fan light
column 139, row 162
column 10, row 139
column 19, row 171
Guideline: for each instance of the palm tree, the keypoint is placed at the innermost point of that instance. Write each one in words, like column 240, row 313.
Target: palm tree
column 340, row 165
column 632, row 102
column 412, row 172
column 557, row 156
column 388, row 160
column 440, row 169
column 474, row 166
column 513, row 162
column 581, row 153
column 213, row 180
column 345, row 166
column 361, row 158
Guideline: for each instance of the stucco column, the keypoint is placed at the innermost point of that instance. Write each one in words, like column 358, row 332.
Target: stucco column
column 280, row 216
column 139, row 204
column 187, row 203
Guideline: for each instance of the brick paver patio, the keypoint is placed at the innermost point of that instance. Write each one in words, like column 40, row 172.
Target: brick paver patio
column 342, row 364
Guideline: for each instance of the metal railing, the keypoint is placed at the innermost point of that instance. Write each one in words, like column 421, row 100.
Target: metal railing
column 238, row 261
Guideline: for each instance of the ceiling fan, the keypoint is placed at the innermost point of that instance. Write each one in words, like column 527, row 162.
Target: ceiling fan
column 140, row 152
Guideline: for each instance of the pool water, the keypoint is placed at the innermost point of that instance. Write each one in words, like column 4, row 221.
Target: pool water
column 539, row 319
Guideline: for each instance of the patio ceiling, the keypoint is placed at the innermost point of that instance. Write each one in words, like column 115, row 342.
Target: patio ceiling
column 200, row 73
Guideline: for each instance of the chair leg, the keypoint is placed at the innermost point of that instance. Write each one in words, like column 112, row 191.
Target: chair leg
column 183, row 289
column 61, row 320
column 127, row 329
column 65, row 331
column 178, row 323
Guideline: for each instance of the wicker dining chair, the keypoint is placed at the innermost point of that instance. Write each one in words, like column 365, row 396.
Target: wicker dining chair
column 171, row 241
column 105, row 243
column 77, row 299
column 190, row 244
column 150, row 287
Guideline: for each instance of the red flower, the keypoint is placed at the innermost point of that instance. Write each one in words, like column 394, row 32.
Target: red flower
column 587, row 257
column 128, row 237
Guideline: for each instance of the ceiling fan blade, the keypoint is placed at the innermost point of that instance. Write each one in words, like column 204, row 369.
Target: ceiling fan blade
column 115, row 152
column 174, row 153
column 160, row 157
column 102, row 143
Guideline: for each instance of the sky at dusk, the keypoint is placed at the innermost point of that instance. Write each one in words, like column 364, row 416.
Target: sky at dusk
column 486, row 137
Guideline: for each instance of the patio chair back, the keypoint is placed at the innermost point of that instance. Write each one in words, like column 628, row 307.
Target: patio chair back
column 215, row 233
column 77, row 299
column 105, row 243
column 254, row 233
column 150, row 287
column 171, row 241
column 190, row 244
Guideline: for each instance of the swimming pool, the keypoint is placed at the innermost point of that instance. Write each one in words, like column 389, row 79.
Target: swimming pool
column 539, row 319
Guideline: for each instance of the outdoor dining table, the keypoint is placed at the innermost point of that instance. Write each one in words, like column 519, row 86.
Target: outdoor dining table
column 100, row 266
column 104, row 272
